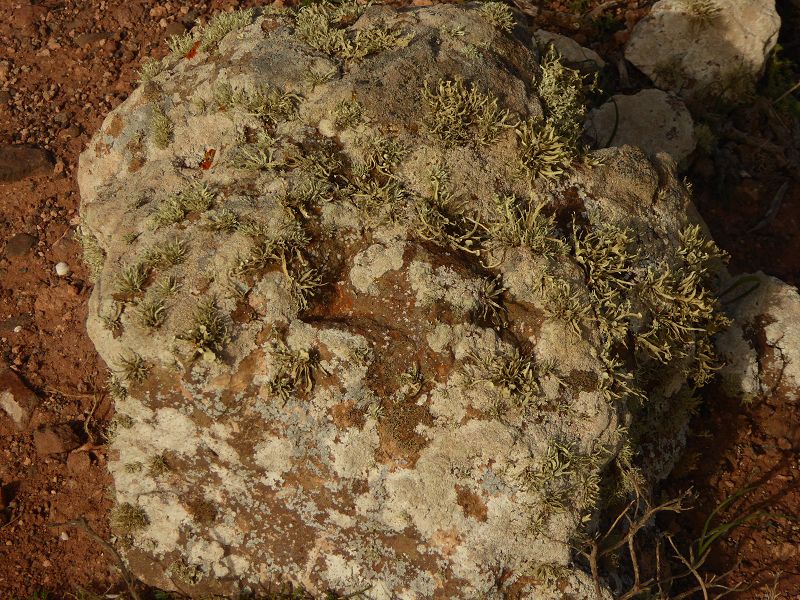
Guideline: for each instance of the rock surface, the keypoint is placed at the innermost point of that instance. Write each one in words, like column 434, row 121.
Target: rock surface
column 375, row 322
column 653, row 120
column 572, row 53
column 762, row 347
column 705, row 50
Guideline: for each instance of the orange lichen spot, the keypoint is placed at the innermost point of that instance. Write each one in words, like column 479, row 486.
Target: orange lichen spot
column 208, row 159
column 193, row 50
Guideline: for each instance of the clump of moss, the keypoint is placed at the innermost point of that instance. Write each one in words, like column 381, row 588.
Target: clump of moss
column 323, row 26
column 197, row 197
column 348, row 114
column 93, row 255
column 258, row 156
column 132, row 367
column 180, row 45
column 294, row 370
column 209, row 331
column 499, row 14
column 221, row 25
column 702, row 13
column 128, row 518
column 148, row 69
column 512, row 222
column 563, row 93
column 265, row 102
column 157, row 466
column 542, row 151
column 457, row 112
column 152, row 312
column 160, row 128
column 224, row 220
column 131, row 279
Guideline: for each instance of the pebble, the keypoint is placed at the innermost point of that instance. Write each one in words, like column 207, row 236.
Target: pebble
column 64, row 536
column 62, row 269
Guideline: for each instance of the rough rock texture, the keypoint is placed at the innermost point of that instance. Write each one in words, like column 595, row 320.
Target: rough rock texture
column 375, row 323
column 762, row 348
column 653, row 120
column 705, row 49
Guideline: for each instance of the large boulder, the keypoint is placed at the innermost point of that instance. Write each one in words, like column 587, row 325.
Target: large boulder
column 375, row 320
column 705, row 50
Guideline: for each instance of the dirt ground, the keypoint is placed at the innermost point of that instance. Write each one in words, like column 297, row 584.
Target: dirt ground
column 64, row 64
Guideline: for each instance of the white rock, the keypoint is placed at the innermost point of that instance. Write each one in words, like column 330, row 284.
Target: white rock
column 653, row 120
column 716, row 58
column 62, row 269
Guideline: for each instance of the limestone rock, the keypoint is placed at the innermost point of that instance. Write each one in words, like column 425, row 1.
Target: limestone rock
column 761, row 349
column 572, row 53
column 653, row 120
column 705, row 50
column 374, row 322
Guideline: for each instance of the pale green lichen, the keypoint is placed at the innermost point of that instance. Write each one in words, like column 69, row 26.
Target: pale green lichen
column 196, row 197
column 262, row 101
column 93, row 254
column 221, row 25
column 148, row 69
column 323, row 26
column 209, row 331
column 180, row 45
column 128, row 518
column 457, row 113
column 542, row 151
column 499, row 15
column 161, row 128
column 132, row 368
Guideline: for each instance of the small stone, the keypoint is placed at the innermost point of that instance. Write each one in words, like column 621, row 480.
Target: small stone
column 174, row 28
column 20, row 161
column 19, row 244
column 78, row 462
column 16, row 399
column 64, row 536
column 55, row 439
column 62, row 269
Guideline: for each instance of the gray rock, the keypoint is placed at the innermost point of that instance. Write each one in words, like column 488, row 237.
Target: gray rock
column 572, row 53
column 356, row 341
column 22, row 161
column 705, row 50
column 653, row 120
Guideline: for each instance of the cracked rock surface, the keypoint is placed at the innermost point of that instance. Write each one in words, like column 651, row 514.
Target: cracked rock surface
column 375, row 321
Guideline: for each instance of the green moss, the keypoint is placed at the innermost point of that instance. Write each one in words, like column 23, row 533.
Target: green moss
column 93, row 255
column 152, row 312
column 702, row 13
column 131, row 279
column 128, row 518
column 294, row 370
column 197, row 197
column 348, row 114
column 209, row 331
column 456, row 113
